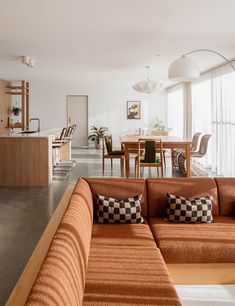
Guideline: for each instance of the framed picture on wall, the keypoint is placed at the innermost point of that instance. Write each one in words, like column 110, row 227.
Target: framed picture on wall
column 133, row 109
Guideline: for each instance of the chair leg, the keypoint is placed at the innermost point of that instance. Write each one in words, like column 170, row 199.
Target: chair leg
column 103, row 160
column 162, row 171
column 172, row 159
column 121, row 165
column 164, row 158
column 111, row 164
column 138, row 171
column 135, row 168
column 157, row 172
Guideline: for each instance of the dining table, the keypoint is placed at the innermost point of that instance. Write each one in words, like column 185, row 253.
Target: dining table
column 130, row 144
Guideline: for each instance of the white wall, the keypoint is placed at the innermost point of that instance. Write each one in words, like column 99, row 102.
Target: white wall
column 106, row 102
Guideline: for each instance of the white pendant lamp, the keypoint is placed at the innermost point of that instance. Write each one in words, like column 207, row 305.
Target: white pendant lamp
column 185, row 69
column 148, row 86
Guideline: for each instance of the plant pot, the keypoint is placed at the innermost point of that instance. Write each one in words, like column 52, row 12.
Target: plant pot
column 98, row 145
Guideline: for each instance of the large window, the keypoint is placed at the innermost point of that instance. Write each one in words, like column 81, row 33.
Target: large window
column 213, row 111
column 175, row 111
column 201, row 115
column 223, row 124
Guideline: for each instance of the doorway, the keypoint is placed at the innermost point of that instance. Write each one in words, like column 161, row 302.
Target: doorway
column 77, row 113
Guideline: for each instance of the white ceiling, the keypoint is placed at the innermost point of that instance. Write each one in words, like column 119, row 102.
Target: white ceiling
column 97, row 40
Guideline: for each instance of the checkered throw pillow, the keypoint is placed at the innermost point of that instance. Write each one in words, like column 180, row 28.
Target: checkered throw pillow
column 194, row 210
column 111, row 210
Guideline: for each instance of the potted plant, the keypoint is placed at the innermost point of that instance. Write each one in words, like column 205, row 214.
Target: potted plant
column 96, row 134
column 16, row 110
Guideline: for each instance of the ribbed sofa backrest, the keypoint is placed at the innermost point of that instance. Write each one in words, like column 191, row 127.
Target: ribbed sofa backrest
column 226, row 192
column 119, row 188
column 61, row 280
column 157, row 190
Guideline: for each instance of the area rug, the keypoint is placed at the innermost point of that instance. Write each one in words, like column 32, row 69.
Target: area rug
column 195, row 171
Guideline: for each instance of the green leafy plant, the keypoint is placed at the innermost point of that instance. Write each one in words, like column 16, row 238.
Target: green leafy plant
column 96, row 134
column 159, row 125
column 16, row 110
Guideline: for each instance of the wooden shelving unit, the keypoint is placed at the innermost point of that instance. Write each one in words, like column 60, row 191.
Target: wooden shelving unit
column 22, row 91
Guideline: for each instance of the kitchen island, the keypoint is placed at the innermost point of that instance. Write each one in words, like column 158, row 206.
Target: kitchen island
column 26, row 158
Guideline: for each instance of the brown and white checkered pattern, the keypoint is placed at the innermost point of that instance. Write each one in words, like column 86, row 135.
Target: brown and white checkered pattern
column 194, row 210
column 111, row 210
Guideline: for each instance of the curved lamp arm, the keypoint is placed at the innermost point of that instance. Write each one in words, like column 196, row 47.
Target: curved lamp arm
column 208, row 50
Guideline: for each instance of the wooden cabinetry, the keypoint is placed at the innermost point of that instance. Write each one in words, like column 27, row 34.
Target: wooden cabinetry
column 5, row 104
column 22, row 91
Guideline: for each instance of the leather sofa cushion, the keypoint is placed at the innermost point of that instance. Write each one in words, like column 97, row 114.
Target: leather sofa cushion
column 226, row 191
column 119, row 188
column 61, row 279
column 196, row 243
column 126, row 268
column 157, row 190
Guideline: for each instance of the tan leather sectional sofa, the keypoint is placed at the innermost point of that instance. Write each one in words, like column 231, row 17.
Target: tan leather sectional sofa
column 128, row 264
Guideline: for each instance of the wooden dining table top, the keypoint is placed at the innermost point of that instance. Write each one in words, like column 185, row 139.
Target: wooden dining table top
column 165, row 139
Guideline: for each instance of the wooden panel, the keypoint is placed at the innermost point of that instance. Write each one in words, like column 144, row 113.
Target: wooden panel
column 22, row 289
column 23, row 105
column 202, row 274
column 27, row 106
column 25, row 161
column 5, row 104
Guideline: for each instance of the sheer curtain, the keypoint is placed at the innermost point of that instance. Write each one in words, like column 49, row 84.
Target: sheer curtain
column 223, row 123
column 201, row 115
column 213, row 111
column 175, row 118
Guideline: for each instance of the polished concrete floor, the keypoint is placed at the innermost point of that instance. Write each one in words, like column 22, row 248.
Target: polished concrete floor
column 25, row 212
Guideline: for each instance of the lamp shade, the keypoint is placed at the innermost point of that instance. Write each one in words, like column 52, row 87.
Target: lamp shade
column 184, row 69
column 148, row 86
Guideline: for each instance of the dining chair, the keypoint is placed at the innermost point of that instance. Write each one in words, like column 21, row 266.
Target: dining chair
column 109, row 153
column 151, row 157
column 197, row 154
column 193, row 148
column 161, row 133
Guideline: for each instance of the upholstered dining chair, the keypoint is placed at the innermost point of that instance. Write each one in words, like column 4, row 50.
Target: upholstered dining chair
column 161, row 133
column 152, row 157
column 198, row 154
column 109, row 153
column 194, row 146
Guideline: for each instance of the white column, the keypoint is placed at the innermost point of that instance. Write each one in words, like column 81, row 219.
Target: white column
column 187, row 110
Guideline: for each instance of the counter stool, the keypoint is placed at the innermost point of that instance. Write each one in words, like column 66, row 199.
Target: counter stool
column 62, row 168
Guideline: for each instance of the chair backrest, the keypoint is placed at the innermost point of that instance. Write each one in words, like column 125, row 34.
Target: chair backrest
column 150, row 150
column 69, row 131
column 108, row 143
column 204, row 144
column 195, row 140
column 74, row 128
column 63, row 134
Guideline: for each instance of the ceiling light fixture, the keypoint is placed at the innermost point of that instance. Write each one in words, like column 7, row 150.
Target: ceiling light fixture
column 185, row 69
column 28, row 61
column 148, row 86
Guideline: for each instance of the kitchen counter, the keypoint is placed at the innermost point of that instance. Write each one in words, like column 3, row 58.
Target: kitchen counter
column 26, row 160
column 17, row 133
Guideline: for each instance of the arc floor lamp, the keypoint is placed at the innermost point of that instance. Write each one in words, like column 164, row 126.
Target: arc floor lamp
column 185, row 69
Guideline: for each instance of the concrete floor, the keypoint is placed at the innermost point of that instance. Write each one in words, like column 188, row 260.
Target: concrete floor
column 25, row 213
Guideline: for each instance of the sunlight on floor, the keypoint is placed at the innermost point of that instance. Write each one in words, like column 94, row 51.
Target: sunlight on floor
column 206, row 295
